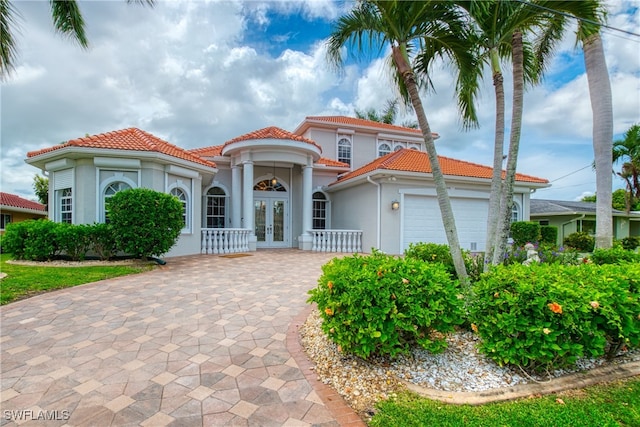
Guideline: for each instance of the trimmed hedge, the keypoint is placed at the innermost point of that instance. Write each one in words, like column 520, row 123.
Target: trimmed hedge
column 524, row 232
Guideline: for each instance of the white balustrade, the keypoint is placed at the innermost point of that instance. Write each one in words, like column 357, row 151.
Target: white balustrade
column 224, row 240
column 336, row 240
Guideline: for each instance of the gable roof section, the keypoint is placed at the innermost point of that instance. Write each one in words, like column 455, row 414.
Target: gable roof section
column 362, row 123
column 13, row 201
column 407, row 160
column 212, row 151
column 271, row 132
column 331, row 162
column 132, row 139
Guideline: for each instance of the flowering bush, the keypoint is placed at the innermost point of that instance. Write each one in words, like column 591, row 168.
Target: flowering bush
column 382, row 305
column 547, row 316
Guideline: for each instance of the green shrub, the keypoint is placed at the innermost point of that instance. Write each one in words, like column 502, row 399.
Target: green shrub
column 524, row 232
column 580, row 241
column 615, row 255
column 103, row 241
column 74, row 240
column 548, row 235
column 548, row 316
column 145, row 222
column 33, row 240
column 432, row 253
column 630, row 243
column 382, row 305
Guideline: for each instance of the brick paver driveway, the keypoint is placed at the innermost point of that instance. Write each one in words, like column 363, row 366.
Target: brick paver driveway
column 199, row 342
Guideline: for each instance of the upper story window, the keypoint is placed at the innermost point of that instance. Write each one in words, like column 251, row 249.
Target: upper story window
column 109, row 192
column 384, row 148
column 319, row 211
column 65, row 200
column 344, row 150
column 182, row 196
column 216, row 208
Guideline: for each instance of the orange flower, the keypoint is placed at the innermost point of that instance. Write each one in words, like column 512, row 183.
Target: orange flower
column 474, row 327
column 555, row 307
column 330, row 284
column 329, row 311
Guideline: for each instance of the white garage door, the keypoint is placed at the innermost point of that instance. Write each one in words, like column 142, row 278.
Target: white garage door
column 422, row 221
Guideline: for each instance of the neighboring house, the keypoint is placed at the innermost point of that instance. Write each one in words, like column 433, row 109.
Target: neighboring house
column 334, row 183
column 15, row 209
column 571, row 217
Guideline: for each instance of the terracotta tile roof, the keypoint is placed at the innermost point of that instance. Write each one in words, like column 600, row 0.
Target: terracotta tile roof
column 128, row 139
column 331, row 162
column 352, row 121
column 212, row 151
column 408, row 160
column 271, row 132
column 11, row 200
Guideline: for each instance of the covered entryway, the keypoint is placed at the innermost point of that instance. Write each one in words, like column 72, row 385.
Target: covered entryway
column 421, row 221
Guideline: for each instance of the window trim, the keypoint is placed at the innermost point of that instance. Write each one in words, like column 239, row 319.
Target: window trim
column 226, row 206
column 327, row 210
column 179, row 185
column 102, row 203
column 60, row 198
column 349, row 140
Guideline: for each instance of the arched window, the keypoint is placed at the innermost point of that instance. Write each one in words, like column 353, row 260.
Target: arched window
column 109, row 191
column 182, row 196
column 515, row 212
column 383, row 149
column 344, row 151
column 398, row 147
column 216, row 208
column 267, row 185
column 319, row 211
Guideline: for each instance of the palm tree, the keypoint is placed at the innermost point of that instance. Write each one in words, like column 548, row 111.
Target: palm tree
column 424, row 30
column 627, row 150
column 387, row 115
column 499, row 27
column 590, row 15
column 67, row 20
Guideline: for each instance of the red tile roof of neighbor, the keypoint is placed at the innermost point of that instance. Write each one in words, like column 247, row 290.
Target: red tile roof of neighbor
column 271, row 132
column 408, row 160
column 14, row 201
column 352, row 121
column 128, row 139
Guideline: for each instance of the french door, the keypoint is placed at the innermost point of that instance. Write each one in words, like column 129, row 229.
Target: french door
column 271, row 215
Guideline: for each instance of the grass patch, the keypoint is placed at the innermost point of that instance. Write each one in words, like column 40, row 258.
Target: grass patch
column 24, row 281
column 611, row 404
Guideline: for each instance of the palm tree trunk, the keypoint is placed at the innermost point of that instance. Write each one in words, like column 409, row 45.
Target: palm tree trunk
column 446, row 211
column 506, row 201
column 498, row 153
column 601, row 105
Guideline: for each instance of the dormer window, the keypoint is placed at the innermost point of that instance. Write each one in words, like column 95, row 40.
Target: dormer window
column 384, row 148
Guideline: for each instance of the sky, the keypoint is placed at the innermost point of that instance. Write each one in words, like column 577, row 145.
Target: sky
column 198, row 73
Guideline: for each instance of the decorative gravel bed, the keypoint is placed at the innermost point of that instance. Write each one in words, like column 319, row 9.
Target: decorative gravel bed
column 459, row 368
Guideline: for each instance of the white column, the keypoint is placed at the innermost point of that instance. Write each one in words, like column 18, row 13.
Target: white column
column 305, row 240
column 236, row 197
column 247, row 202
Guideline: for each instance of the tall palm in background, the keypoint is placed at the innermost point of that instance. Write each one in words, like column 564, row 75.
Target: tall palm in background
column 591, row 15
column 418, row 33
column 67, row 20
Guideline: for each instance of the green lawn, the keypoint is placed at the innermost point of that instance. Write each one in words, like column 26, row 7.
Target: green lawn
column 613, row 404
column 25, row 281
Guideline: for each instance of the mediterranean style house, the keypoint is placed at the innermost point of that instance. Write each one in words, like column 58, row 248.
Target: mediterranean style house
column 333, row 184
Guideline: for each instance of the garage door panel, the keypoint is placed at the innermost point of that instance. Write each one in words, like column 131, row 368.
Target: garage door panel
column 422, row 221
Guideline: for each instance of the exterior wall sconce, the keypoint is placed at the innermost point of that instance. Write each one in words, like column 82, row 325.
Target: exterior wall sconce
column 274, row 180
column 395, row 205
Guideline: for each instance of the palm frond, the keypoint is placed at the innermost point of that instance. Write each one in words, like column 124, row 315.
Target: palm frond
column 67, row 19
column 8, row 48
